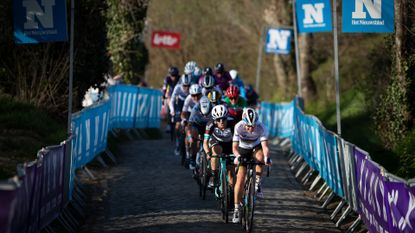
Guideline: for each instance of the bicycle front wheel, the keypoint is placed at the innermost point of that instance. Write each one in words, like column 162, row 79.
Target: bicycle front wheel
column 203, row 175
column 249, row 207
column 224, row 197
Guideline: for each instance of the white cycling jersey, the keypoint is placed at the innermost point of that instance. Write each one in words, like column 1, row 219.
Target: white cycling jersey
column 178, row 92
column 189, row 103
column 249, row 140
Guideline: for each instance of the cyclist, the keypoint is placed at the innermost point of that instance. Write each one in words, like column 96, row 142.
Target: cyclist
column 180, row 92
column 215, row 97
column 198, row 119
column 251, row 95
column 250, row 140
column 235, row 104
column 189, row 69
column 237, row 81
column 222, row 77
column 208, row 84
column 218, row 140
column 205, row 72
column 170, row 82
column 190, row 101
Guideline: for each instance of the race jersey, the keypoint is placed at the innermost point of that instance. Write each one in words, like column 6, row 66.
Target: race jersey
column 240, row 104
column 178, row 93
column 220, row 135
column 249, row 140
column 168, row 86
column 196, row 116
column 223, row 80
column 188, row 104
column 205, row 91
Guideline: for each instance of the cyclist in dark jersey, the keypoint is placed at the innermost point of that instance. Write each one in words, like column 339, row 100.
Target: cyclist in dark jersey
column 218, row 140
column 235, row 104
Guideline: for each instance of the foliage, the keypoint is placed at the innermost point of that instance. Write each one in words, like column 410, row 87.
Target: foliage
column 125, row 23
column 406, row 152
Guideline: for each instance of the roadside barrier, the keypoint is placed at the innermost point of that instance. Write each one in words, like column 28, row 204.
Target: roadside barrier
column 384, row 202
column 45, row 188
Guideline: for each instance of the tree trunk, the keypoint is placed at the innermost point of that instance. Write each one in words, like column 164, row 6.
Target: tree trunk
column 400, row 35
column 308, row 86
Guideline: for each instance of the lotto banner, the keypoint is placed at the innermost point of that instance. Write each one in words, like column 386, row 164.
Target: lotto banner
column 38, row 21
column 368, row 16
column 169, row 40
column 278, row 41
column 313, row 16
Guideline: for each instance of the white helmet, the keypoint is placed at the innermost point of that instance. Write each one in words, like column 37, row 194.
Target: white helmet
column 195, row 89
column 197, row 72
column 249, row 116
column 208, row 81
column 204, row 105
column 186, row 79
column 219, row 111
column 190, row 67
column 234, row 74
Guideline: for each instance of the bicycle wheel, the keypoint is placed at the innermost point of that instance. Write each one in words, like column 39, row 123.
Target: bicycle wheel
column 224, row 196
column 203, row 176
column 182, row 148
column 249, row 207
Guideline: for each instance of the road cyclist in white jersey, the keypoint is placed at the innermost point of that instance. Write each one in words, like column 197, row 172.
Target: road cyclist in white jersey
column 190, row 101
column 250, row 140
column 208, row 85
column 199, row 117
column 180, row 92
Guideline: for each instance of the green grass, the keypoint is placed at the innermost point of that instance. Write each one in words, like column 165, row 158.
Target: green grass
column 24, row 131
column 357, row 127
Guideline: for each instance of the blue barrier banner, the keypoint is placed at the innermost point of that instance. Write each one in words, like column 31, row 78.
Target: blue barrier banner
column 313, row 16
column 38, row 21
column 368, row 16
column 8, row 201
column 124, row 104
column 52, row 178
column 278, row 40
column 371, row 194
column 277, row 118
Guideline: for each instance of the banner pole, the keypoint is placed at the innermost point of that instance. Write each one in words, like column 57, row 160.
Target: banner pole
column 71, row 68
column 297, row 55
column 259, row 63
column 336, row 67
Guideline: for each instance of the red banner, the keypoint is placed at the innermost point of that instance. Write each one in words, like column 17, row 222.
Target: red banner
column 165, row 40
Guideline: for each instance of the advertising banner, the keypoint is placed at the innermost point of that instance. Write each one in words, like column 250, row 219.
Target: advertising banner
column 38, row 21
column 313, row 16
column 368, row 16
column 278, row 40
column 170, row 40
column 371, row 194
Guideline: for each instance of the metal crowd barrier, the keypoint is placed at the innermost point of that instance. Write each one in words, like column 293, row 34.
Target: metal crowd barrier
column 384, row 202
column 45, row 187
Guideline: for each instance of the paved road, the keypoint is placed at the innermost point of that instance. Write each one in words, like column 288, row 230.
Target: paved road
column 149, row 192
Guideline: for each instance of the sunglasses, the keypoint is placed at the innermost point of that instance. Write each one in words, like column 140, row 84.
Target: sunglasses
column 186, row 85
column 232, row 98
column 195, row 95
column 249, row 126
column 221, row 119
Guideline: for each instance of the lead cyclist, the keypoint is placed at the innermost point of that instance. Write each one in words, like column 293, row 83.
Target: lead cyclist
column 250, row 139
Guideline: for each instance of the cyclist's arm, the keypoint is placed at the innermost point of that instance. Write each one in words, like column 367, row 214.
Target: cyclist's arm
column 208, row 132
column 173, row 97
column 235, row 142
column 265, row 149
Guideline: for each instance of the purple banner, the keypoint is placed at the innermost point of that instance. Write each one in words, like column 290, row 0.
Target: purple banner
column 401, row 200
column 370, row 194
column 7, row 206
column 52, row 178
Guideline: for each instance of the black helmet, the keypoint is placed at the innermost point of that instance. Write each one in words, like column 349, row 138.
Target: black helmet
column 174, row 71
column 207, row 71
column 220, row 68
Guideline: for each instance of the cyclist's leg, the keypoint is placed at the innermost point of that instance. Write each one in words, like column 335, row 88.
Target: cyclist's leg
column 259, row 156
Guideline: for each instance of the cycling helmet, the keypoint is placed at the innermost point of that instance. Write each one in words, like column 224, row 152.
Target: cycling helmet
column 186, row 79
column 234, row 74
column 190, row 67
column 232, row 91
column 214, row 96
column 219, row 111
column 195, row 89
column 249, row 116
column 173, row 71
column 220, row 68
column 208, row 81
column 197, row 72
column 207, row 71
column 205, row 105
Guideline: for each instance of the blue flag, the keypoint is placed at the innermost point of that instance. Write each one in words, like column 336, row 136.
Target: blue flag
column 314, row 16
column 38, row 21
column 278, row 41
column 368, row 16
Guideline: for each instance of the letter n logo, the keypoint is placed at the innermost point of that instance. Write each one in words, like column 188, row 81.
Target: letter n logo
column 279, row 39
column 36, row 13
column 313, row 13
column 373, row 7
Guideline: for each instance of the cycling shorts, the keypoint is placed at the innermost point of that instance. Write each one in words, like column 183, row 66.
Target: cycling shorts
column 226, row 146
column 247, row 154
